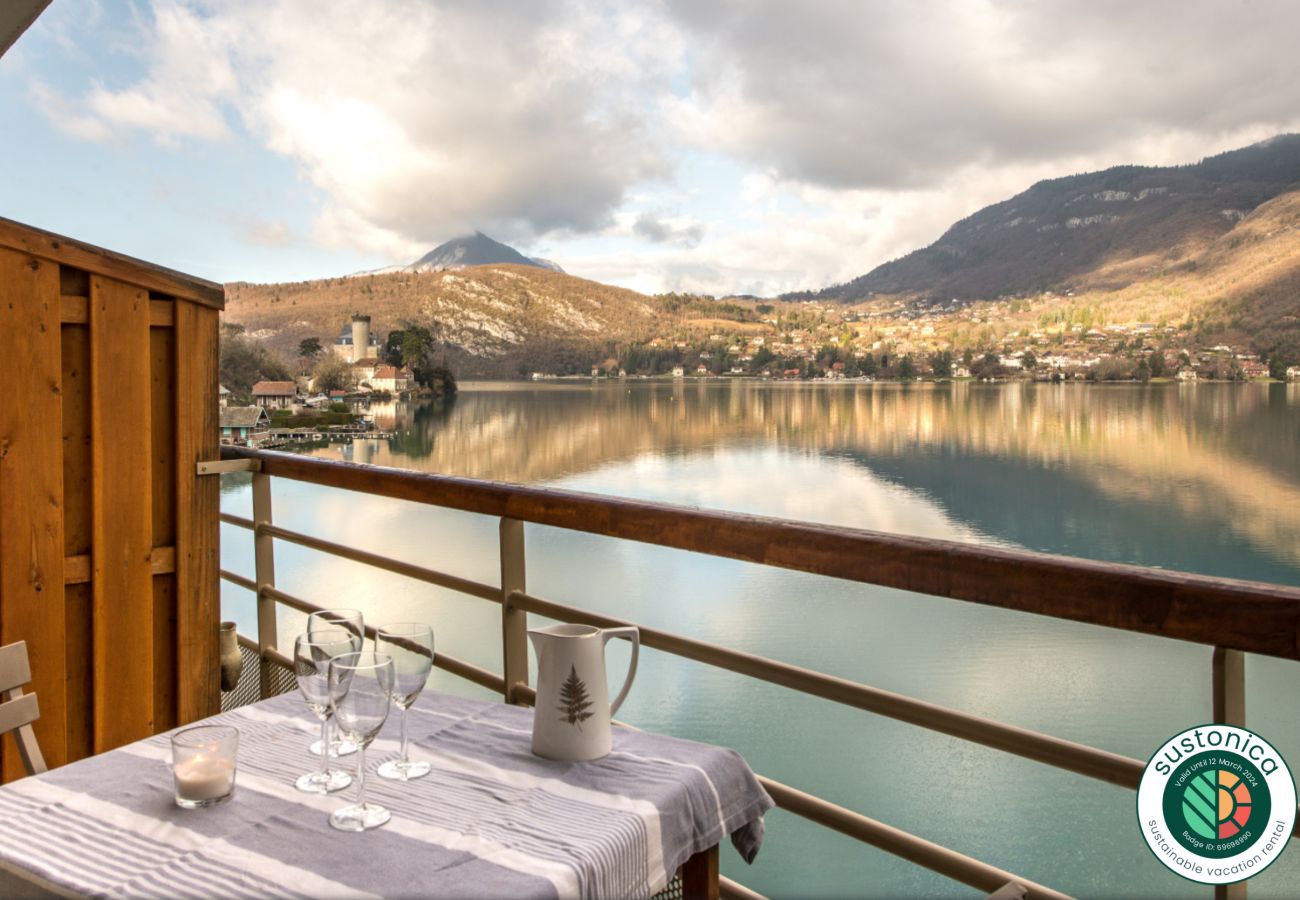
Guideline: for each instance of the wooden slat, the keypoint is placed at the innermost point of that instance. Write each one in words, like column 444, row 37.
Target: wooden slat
column 120, row 565
column 75, row 393
column 80, row 692
column 162, row 464
column 1240, row 615
column 15, row 670
column 198, row 504
column 21, row 711
column 76, row 569
column 74, row 310
column 162, row 314
column 97, row 260
column 77, row 522
column 165, row 686
column 31, row 485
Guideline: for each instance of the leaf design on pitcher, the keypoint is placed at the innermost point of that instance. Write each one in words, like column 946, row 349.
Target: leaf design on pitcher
column 574, row 700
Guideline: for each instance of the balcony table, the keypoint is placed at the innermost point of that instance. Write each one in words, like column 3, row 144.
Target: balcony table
column 490, row 820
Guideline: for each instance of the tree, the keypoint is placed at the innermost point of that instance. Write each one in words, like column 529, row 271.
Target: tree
column 309, row 348
column 1156, row 363
column 244, row 362
column 417, row 344
column 332, row 373
column 907, row 369
column 390, row 351
column 941, row 363
column 1029, row 362
column 988, row 366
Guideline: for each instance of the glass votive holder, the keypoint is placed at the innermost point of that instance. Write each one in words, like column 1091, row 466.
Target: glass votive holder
column 203, row 764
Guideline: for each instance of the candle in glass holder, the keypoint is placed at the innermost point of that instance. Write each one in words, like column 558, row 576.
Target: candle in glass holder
column 203, row 764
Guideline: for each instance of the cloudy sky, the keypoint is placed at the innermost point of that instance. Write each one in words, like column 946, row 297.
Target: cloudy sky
column 709, row 145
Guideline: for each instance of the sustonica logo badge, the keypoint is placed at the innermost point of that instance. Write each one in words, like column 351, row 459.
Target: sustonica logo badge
column 1217, row 804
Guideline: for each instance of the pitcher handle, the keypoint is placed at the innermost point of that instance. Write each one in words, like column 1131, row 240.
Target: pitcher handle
column 632, row 633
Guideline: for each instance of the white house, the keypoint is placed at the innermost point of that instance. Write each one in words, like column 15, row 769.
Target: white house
column 392, row 379
column 363, row 371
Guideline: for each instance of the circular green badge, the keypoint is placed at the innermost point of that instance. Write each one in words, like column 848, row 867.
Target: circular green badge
column 1222, row 802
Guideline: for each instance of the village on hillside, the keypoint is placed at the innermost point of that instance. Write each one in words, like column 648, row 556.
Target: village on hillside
column 907, row 340
column 320, row 404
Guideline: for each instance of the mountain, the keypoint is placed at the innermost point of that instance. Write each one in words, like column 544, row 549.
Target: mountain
column 500, row 320
column 1100, row 231
column 476, row 249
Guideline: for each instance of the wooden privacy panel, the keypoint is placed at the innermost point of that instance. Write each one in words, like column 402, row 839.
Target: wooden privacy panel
column 108, row 538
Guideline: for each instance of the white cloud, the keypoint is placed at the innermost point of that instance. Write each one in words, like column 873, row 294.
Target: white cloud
column 854, row 132
column 899, row 96
column 417, row 120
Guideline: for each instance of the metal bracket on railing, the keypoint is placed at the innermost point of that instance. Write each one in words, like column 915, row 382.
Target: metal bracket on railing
column 222, row 466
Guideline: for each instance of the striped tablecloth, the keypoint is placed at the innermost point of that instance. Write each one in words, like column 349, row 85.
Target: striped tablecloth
column 491, row 820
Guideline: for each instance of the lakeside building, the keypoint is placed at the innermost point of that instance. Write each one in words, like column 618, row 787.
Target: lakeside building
column 275, row 394
column 392, row 379
column 244, row 424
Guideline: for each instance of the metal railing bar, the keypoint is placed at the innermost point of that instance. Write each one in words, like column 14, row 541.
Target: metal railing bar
column 1054, row 751
column 246, row 583
column 271, row 653
column 935, row 857
column 1242, row 615
column 734, row 890
column 419, row 573
column 237, row 521
column 444, row 661
column 289, row 600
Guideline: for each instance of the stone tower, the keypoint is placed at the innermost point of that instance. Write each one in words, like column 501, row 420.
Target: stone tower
column 360, row 337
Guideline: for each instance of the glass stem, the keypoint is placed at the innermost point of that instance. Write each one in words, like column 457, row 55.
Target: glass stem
column 405, row 757
column 325, row 748
column 361, row 775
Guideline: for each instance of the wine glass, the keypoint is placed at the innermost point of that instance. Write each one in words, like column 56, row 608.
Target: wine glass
column 360, row 690
column 410, row 644
column 351, row 620
column 312, row 652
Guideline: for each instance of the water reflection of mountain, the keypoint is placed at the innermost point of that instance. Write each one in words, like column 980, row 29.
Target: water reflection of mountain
column 1218, row 459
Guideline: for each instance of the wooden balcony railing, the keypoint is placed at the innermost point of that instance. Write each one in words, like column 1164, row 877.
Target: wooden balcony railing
column 1233, row 617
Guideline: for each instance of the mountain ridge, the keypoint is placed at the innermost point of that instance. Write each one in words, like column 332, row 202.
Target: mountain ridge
column 1195, row 257
column 1065, row 232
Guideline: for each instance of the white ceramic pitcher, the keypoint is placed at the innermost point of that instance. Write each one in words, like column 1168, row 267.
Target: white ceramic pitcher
column 572, row 713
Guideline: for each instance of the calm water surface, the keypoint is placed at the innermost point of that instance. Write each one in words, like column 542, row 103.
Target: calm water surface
column 1204, row 478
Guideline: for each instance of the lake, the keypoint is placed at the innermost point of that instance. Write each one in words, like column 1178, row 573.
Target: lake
column 1201, row 477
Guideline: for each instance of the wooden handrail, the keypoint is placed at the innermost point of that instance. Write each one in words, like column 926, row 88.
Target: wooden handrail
column 1241, row 615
